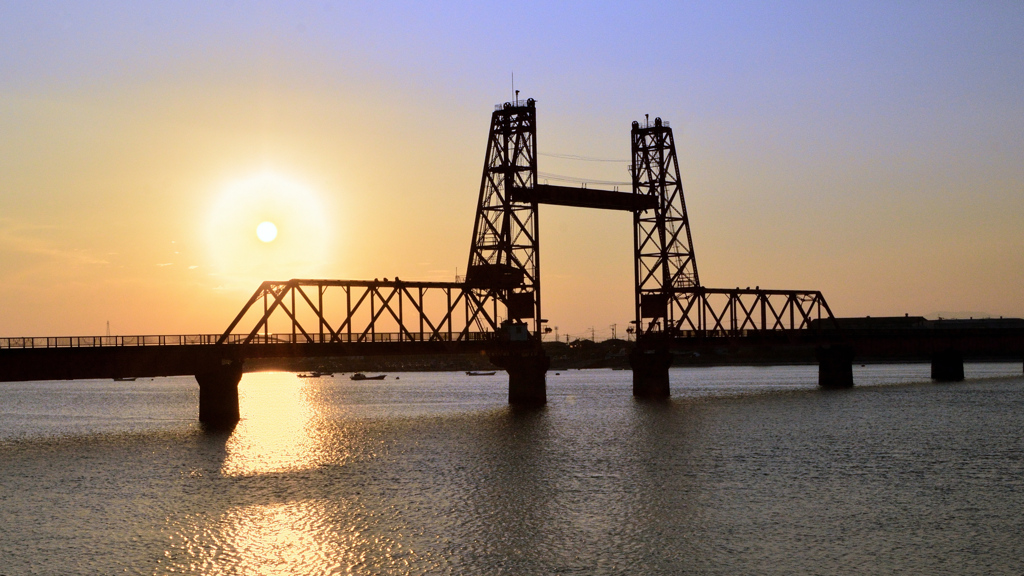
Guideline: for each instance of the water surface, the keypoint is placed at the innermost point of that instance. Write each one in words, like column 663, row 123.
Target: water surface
column 744, row 471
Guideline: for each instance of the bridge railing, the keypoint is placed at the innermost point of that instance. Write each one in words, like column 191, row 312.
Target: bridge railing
column 730, row 333
column 108, row 341
column 714, row 333
column 232, row 339
column 392, row 337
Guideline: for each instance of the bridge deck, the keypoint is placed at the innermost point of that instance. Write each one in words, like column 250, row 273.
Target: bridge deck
column 867, row 344
column 72, row 358
column 75, row 357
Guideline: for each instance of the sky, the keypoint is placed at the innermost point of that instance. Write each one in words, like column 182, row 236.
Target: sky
column 870, row 150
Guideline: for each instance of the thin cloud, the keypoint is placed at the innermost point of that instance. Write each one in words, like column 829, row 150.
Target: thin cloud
column 14, row 238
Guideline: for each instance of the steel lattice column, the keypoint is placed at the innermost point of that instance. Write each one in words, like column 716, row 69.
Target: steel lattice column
column 504, row 258
column 663, row 248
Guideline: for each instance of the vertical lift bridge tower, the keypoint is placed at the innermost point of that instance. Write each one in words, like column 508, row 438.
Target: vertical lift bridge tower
column 669, row 300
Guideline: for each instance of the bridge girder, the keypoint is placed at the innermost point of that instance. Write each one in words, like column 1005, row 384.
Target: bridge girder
column 736, row 311
column 356, row 311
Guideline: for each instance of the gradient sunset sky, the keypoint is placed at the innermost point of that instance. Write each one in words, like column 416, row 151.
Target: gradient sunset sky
column 871, row 150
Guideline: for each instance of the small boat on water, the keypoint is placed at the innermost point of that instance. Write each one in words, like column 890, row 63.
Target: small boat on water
column 475, row 373
column 314, row 374
column 361, row 376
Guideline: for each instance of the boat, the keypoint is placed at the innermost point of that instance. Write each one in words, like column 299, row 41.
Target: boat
column 361, row 376
column 314, row 374
column 123, row 379
column 475, row 373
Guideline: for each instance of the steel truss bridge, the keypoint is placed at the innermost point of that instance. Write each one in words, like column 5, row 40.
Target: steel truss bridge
column 496, row 308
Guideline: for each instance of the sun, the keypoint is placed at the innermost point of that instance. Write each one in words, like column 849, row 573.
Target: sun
column 293, row 223
column 266, row 231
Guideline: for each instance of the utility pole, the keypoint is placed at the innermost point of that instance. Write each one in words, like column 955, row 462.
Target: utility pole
column 614, row 333
column 592, row 337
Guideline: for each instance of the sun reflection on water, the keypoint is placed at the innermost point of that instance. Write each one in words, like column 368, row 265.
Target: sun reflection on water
column 281, row 429
column 286, row 501
column 269, row 539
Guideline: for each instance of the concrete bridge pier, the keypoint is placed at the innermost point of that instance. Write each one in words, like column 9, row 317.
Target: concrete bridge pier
column 218, row 394
column 527, row 369
column 835, row 367
column 650, row 371
column 948, row 366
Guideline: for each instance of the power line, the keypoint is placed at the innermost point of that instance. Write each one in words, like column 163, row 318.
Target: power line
column 578, row 180
column 581, row 158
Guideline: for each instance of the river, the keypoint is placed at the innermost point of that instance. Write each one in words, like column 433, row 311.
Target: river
column 746, row 470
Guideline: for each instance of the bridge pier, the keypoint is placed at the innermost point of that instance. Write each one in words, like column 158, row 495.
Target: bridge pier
column 218, row 395
column 526, row 368
column 948, row 366
column 835, row 367
column 650, row 371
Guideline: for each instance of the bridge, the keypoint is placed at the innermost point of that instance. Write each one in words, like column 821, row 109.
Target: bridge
column 496, row 308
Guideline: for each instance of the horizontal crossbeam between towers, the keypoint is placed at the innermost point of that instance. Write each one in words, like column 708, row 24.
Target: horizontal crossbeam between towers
column 584, row 198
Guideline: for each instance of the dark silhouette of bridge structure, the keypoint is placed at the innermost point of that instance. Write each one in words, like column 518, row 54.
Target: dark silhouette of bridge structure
column 496, row 308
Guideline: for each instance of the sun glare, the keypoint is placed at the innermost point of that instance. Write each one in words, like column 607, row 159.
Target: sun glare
column 266, row 231
column 268, row 203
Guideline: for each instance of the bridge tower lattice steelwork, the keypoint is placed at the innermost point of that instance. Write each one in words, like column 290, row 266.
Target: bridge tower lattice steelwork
column 504, row 257
column 664, row 261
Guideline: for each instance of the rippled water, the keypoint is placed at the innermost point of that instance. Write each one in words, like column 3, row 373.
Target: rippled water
column 744, row 471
